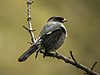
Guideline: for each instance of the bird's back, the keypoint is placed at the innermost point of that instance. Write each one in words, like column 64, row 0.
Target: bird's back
column 52, row 36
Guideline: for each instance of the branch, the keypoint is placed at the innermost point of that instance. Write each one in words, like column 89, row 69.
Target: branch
column 30, row 30
column 72, row 62
column 58, row 56
column 94, row 65
column 73, row 57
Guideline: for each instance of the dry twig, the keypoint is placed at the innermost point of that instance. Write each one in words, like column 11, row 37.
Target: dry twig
column 58, row 56
column 29, row 2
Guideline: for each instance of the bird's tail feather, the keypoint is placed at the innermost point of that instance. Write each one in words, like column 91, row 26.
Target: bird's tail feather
column 26, row 54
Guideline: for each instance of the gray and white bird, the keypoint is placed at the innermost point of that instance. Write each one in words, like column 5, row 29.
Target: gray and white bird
column 50, row 39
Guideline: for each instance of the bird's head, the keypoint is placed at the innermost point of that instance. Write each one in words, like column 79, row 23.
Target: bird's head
column 57, row 19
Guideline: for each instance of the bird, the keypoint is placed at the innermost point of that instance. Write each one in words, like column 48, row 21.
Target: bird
column 51, row 37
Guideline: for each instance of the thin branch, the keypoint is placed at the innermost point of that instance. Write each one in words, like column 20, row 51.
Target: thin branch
column 73, row 57
column 68, row 60
column 28, row 29
column 94, row 65
column 29, row 2
column 58, row 56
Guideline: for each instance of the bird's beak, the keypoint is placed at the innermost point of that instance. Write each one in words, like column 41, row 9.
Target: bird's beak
column 65, row 20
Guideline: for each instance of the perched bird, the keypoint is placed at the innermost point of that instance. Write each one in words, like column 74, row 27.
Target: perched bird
column 50, row 39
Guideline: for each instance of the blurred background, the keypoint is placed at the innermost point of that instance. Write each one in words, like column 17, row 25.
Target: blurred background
column 83, row 36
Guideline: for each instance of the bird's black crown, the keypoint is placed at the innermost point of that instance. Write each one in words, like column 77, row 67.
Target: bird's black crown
column 57, row 18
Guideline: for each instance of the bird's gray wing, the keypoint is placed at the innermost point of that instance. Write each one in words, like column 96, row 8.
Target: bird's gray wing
column 49, row 28
column 51, row 34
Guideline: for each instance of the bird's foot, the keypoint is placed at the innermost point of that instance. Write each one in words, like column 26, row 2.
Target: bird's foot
column 36, row 54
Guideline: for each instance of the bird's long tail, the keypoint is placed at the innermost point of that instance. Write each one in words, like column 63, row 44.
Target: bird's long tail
column 25, row 55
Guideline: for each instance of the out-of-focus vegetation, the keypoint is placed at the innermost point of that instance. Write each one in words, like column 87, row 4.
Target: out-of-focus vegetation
column 83, row 39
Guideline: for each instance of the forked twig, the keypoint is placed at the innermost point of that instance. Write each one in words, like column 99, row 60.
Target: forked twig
column 58, row 56
column 29, row 2
column 72, row 62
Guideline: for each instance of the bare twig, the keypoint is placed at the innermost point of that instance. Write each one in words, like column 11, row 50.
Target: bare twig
column 94, row 65
column 68, row 60
column 58, row 56
column 73, row 57
column 29, row 2
column 28, row 29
